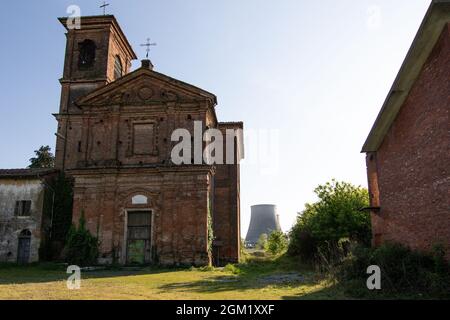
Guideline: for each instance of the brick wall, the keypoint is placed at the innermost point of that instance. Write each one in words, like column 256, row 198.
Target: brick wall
column 227, row 208
column 411, row 168
column 178, row 201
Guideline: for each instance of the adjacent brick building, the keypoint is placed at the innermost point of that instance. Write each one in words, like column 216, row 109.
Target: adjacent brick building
column 408, row 147
column 114, row 138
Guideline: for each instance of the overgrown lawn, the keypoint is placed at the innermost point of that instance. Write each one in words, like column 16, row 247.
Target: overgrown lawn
column 258, row 278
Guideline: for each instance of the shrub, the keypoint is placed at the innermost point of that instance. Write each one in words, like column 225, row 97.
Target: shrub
column 335, row 216
column 82, row 247
column 302, row 244
column 231, row 268
column 206, row 269
column 331, row 254
column 258, row 254
column 243, row 252
column 276, row 243
column 403, row 271
column 262, row 242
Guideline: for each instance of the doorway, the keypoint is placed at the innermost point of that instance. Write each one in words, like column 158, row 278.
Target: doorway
column 139, row 226
column 24, row 245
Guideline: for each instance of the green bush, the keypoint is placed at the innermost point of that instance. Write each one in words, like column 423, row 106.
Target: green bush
column 243, row 252
column 205, row 269
column 262, row 242
column 82, row 247
column 231, row 268
column 335, row 216
column 403, row 271
column 276, row 243
column 302, row 243
column 331, row 254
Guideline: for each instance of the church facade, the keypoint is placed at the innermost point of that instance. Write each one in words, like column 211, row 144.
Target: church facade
column 114, row 139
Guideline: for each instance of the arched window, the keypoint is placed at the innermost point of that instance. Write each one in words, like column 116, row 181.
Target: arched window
column 86, row 58
column 118, row 70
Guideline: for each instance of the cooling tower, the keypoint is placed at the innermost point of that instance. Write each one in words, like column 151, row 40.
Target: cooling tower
column 264, row 219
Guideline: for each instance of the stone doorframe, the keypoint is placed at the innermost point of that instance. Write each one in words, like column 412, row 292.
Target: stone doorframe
column 125, row 232
column 126, row 205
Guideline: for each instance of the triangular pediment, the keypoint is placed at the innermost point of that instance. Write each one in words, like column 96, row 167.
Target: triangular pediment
column 142, row 87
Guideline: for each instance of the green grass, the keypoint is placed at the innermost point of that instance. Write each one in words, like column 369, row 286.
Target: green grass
column 252, row 280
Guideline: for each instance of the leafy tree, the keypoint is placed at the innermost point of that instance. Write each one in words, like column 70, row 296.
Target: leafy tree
column 334, row 216
column 262, row 242
column 44, row 158
column 82, row 247
column 276, row 243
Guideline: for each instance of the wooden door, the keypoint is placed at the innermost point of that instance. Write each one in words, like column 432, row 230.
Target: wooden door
column 23, row 254
column 139, row 237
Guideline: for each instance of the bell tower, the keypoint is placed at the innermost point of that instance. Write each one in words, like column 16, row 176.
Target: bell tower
column 97, row 53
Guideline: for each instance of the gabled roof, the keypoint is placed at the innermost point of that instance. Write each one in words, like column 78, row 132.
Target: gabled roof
column 233, row 124
column 436, row 18
column 26, row 173
column 151, row 86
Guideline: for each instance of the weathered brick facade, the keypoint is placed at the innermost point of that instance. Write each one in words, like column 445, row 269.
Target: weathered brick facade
column 114, row 138
column 408, row 166
column 227, row 223
column 22, row 225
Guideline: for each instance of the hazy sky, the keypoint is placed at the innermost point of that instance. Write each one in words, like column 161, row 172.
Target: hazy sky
column 311, row 74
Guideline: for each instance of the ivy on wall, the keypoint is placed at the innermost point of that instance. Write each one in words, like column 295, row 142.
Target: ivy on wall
column 57, row 215
column 210, row 228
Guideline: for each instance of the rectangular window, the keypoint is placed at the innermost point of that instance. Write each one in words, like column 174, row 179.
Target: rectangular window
column 143, row 136
column 23, row 208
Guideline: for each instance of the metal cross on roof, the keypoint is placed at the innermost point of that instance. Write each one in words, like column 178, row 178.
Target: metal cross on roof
column 103, row 6
column 148, row 45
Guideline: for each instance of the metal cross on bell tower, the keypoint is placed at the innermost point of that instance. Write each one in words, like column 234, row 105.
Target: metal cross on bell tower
column 103, row 6
column 148, row 45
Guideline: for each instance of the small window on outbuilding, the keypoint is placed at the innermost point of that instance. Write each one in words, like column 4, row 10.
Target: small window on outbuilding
column 118, row 69
column 22, row 208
